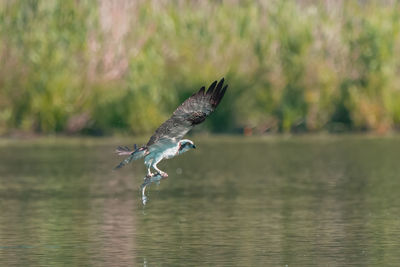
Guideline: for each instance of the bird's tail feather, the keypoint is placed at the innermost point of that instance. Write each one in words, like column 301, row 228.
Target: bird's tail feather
column 124, row 150
column 133, row 155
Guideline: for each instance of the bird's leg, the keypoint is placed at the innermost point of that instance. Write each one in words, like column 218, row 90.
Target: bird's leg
column 163, row 174
column 149, row 173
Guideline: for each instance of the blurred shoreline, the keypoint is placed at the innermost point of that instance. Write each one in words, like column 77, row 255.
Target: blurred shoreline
column 117, row 140
column 100, row 68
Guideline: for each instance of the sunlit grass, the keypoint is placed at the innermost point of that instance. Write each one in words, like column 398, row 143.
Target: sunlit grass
column 100, row 67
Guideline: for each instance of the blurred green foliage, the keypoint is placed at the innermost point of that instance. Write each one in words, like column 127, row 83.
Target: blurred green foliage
column 97, row 67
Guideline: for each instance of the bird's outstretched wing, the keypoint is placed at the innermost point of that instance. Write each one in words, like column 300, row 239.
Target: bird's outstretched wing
column 191, row 112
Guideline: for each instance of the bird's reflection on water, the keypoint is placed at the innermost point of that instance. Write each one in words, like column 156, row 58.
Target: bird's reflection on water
column 147, row 181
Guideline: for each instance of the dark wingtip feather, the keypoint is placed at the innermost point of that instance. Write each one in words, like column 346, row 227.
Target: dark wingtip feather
column 201, row 91
column 222, row 93
column 211, row 88
column 219, row 87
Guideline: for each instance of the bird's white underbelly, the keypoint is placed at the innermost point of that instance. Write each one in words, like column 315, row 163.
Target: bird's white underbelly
column 170, row 152
column 160, row 153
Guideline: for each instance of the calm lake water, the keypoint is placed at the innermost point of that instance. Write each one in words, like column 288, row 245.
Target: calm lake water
column 304, row 201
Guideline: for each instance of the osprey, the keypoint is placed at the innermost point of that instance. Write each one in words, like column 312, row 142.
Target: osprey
column 167, row 141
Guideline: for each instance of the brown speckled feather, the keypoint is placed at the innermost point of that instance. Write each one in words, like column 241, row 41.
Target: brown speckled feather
column 191, row 112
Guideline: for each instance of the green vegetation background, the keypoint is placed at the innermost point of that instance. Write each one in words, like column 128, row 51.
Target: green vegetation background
column 100, row 67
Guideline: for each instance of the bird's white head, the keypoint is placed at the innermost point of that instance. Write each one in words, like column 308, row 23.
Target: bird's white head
column 185, row 145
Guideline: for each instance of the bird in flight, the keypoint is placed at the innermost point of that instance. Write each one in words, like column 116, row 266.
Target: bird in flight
column 167, row 141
